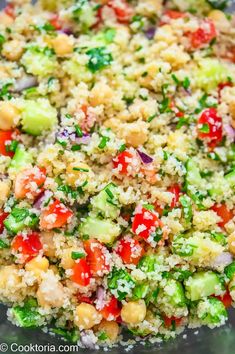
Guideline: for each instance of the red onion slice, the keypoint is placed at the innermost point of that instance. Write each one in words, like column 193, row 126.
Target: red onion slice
column 41, row 199
column 224, row 259
column 24, row 83
column 230, row 132
column 100, row 294
column 150, row 32
column 88, row 340
column 146, row 159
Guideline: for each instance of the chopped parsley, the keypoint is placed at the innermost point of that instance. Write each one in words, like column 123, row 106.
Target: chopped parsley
column 103, row 142
column 149, row 207
column 109, row 192
column 4, row 92
column 46, row 28
column 12, row 146
column 77, row 255
column 152, row 117
column 80, row 169
column 122, row 148
column 164, row 105
column 99, row 58
column 76, row 147
column 182, row 122
column 205, row 128
column 109, row 34
column 102, row 336
column 3, row 244
column 2, row 40
column 78, row 131
column 203, row 103
column 80, row 188
column 51, row 81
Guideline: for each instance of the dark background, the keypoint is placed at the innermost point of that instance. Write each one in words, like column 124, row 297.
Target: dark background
column 198, row 341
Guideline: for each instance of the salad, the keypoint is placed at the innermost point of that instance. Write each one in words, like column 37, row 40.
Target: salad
column 117, row 167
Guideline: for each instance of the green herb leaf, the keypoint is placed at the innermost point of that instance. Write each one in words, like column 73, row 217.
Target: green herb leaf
column 122, row 148
column 103, row 142
column 77, row 255
column 78, row 131
column 12, row 146
column 80, row 169
column 99, row 58
column 4, row 92
column 109, row 34
column 205, row 128
column 152, row 117
column 3, row 244
column 19, row 214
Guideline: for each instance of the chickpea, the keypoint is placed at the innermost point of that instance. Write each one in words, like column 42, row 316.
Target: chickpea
column 165, row 34
column 12, row 50
column 232, row 112
column 86, row 316
column 231, row 243
column 101, row 94
column 220, row 19
column 37, row 266
column 4, row 74
column 66, row 261
column 4, row 191
column 133, row 312
column 50, row 292
column 62, row 45
column 77, row 172
column 110, row 328
column 47, row 239
column 11, row 286
column 5, row 20
column 135, row 134
column 9, row 115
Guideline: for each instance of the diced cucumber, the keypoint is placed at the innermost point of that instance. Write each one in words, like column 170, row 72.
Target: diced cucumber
column 75, row 68
column 195, row 184
column 27, row 315
column 202, row 284
column 120, row 283
column 19, row 219
column 140, row 291
column 219, row 184
column 196, row 247
column 183, row 246
column 193, row 176
column 104, row 230
column 173, row 293
column 39, row 61
column 106, row 202
column 21, row 159
column 38, row 116
column 186, row 203
column 229, row 271
column 84, row 14
column 230, row 177
column 210, row 73
column 211, row 312
column 105, row 36
column 147, row 263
